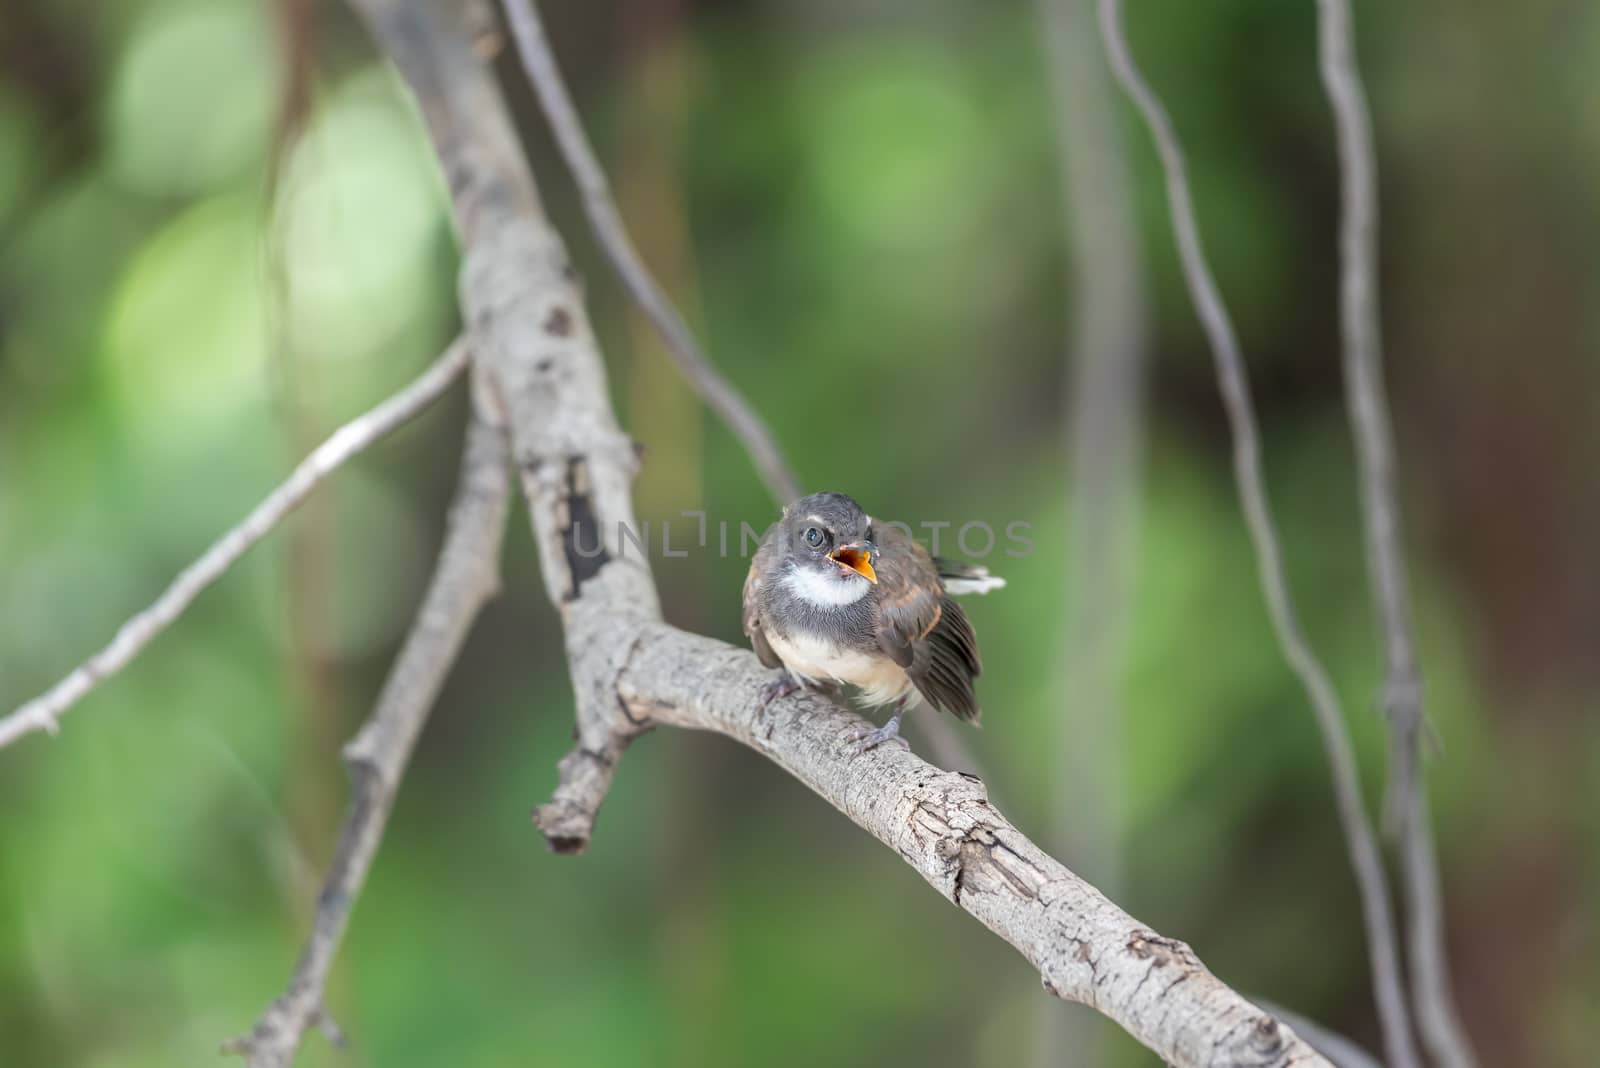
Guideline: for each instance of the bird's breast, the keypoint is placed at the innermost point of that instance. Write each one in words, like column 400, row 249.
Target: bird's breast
column 815, row 658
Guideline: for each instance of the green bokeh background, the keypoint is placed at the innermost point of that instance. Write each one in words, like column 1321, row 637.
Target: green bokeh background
column 215, row 247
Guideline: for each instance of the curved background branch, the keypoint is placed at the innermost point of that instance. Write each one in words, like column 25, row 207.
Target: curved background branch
column 1370, row 424
column 1365, row 858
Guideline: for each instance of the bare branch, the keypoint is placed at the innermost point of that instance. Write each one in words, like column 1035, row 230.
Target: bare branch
column 1370, row 421
column 606, row 221
column 1360, row 837
column 943, row 824
column 464, row 579
column 43, row 712
column 630, row 671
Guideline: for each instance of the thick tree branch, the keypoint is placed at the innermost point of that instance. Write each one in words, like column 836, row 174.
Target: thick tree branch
column 943, row 825
column 44, row 711
column 541, row 368
column 1370, row 421
column 464, row 579
column 1235, row 387
column 630, row 671
column 600, row 206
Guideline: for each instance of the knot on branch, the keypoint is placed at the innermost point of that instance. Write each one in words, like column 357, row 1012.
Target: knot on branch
column 952, row 820
column 1266, row 1038
column 1161, row 950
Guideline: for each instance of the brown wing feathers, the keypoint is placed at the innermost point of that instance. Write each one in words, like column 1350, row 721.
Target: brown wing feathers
column 947, row 662
column 923, row 630
column 752, row 612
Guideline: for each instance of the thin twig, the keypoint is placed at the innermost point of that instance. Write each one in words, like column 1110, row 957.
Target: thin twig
column 600, row 207
column 43, row 712
column 1360, row 837
column 1365, row 393
column 1371, row 422
column 1105, row 415
column 465, row 578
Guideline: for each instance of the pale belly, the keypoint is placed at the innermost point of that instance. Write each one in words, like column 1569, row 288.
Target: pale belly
column 880, row 679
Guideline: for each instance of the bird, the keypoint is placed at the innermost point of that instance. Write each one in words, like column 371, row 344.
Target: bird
column 833, row 597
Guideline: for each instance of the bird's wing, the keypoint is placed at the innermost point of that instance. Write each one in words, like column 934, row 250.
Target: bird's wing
column 752, row 602
column 923, row 630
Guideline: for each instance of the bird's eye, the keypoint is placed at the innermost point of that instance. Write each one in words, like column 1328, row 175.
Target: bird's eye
column 813, row 537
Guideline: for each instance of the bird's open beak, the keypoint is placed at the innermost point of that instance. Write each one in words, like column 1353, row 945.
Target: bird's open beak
column 858, row 557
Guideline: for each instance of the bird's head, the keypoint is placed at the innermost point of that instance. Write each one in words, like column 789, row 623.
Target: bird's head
column 829, row 535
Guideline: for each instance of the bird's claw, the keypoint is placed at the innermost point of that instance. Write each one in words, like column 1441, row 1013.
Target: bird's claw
column 782, row 686
column 866, row 738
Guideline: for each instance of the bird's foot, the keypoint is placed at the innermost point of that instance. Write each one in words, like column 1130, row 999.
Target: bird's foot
column 782, row 686
column 866, row 739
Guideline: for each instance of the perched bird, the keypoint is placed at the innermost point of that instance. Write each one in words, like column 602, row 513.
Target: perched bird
column 833, row 598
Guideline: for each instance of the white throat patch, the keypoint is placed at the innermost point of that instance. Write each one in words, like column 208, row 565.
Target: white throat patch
column 822, row 590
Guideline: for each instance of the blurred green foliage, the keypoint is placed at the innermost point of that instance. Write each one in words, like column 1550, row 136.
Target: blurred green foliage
column 860, row 210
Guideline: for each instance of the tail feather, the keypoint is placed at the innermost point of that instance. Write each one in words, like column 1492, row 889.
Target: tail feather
column 962, row 578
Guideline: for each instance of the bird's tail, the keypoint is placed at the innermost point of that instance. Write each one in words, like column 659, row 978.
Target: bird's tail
column 960, row 578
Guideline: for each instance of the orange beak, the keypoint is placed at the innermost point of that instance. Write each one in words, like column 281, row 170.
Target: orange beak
column 858, row 558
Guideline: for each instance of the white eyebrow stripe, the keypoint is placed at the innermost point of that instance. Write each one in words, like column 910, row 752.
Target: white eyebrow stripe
column 817, row 519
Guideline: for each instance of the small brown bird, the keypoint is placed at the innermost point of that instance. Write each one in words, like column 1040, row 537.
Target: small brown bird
column 833, row 598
